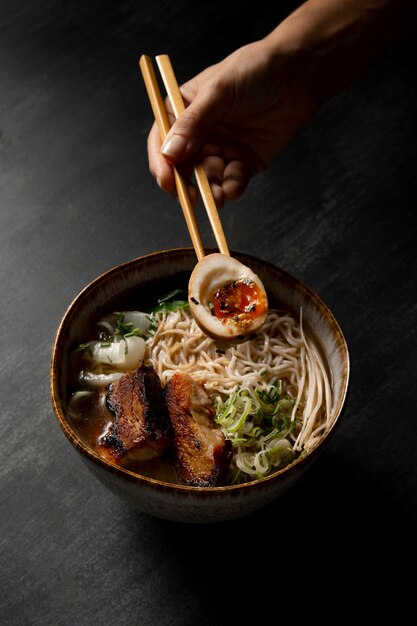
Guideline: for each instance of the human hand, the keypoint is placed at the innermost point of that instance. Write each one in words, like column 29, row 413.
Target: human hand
column 240, row 113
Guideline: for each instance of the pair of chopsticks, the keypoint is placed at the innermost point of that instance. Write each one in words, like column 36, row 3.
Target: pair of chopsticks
column 162, row 120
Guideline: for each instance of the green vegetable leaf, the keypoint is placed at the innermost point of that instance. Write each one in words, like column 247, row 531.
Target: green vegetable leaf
column 122, row 330
column 173, row 301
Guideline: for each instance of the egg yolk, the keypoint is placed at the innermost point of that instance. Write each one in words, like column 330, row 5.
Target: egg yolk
column 240, row 301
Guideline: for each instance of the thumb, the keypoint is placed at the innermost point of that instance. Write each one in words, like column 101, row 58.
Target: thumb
column 189, row 131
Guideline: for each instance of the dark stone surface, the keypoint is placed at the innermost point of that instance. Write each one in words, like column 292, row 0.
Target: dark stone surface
column 337, row 210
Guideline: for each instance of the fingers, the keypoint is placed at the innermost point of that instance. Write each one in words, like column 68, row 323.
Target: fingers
column 214, row 167
column 159, row 167
column 228, row 179
column 225, row 161
column 228, row 176
column 236, row 178
column 163, row 171
column 190, row 130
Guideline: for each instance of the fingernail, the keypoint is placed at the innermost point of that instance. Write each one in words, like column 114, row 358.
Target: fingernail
column 174, row 146
column 158, row 181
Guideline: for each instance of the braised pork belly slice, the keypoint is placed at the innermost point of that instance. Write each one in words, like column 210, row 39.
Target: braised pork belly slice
column 141, row 429
column 201, row 452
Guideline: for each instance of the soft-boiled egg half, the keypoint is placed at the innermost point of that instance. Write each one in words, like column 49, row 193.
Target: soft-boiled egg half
column 227, row 299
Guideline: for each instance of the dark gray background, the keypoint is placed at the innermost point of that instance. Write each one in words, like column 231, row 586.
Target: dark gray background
column 336, row 210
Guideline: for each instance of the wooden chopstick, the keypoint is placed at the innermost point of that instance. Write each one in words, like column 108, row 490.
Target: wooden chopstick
column 161, row 117
column 177, row 103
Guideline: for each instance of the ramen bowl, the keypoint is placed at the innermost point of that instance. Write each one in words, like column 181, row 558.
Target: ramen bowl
column 159, row 272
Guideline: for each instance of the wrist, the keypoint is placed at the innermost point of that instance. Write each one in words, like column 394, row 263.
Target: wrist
column 330, row 42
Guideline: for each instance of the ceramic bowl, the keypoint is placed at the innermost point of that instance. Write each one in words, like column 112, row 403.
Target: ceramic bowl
column 163, row 499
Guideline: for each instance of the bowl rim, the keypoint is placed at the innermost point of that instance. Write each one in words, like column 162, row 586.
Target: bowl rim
column 90, row 455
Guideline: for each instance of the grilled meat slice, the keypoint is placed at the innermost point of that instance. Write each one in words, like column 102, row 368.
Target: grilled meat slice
column 141, row 428
column 201, row 452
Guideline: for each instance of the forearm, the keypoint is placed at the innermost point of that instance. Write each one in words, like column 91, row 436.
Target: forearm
column 331, row 41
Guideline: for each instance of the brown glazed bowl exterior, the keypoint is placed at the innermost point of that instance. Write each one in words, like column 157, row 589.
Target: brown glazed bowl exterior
column 176, row 502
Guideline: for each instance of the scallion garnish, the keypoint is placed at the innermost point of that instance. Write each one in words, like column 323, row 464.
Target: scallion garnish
column 258, row 422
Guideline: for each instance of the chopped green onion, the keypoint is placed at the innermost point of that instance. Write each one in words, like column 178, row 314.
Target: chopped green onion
column 257, row 422
column 173, row 301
